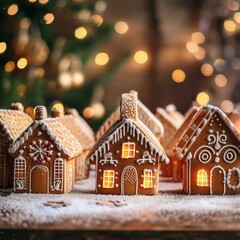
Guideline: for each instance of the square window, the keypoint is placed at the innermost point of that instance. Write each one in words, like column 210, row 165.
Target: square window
column 128, row 150
column 108, row 179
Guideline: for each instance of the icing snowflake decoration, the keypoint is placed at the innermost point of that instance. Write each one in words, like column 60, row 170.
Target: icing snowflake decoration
column 41, row 151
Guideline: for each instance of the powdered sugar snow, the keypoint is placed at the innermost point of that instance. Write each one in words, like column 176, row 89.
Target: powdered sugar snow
column 83, row 209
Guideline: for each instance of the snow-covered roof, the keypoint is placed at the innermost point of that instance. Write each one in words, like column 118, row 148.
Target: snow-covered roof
column 79, row 129
column 134, row 128
column 204, row 115
column 14, row 122
column 62, row 137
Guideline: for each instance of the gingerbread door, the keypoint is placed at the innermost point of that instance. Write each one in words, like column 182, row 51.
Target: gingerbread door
column 217, row 181
column 129, row 181
column 39, row 180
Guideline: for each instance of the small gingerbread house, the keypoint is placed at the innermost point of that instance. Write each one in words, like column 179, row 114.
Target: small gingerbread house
column 209, row 154
column 127, row 156
column 44, row 157
column 144, row 114
column 82, row 132
column 12, row 124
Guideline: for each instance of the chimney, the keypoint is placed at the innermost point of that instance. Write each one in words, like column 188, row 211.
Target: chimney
column 128, row 106
column 57, row 113
column 17, row 106
column 134, row 92
column 40, row 113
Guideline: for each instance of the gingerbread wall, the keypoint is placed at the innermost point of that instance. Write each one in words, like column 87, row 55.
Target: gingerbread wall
column 216, row 151
column 128, row 174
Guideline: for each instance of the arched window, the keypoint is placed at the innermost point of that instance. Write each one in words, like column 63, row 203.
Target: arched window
column 202, row 178
column 19, row 173
column 58, row 174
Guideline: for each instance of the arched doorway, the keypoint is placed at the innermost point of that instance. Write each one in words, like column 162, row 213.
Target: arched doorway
column 217, row 181
column 39, row 180
column 129, row 181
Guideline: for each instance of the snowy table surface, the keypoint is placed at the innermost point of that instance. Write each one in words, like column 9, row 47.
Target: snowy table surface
column 86, row 210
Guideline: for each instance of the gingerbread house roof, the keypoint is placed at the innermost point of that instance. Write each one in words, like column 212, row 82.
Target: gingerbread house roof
column 128, row 123
column 234, row 116
column 144, row 114
column 13, row 123
column 79, row 129
column 200, row 120
column 62, row 137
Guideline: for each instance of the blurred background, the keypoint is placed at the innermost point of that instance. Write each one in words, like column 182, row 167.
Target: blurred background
column 84, row 54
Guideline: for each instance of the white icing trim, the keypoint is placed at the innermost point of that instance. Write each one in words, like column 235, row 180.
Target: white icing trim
column 224, row 179
column 19, row 184
column 30, row 177
column 233, row 187
column 233, row 155
column 122, row 178
column 108, row 159
column 58, row 170
column 146, row 158
column 70, row 183
column 205, row 152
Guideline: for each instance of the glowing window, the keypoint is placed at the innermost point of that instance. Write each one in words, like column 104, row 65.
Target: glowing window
column 147, row 178
column 108, row 178
column 128, row 150
column 202, row 178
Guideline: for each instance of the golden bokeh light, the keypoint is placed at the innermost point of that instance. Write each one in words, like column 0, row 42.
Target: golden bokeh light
column 9, row 66
column 140, row 57
column 65, row 80
column 80, row 33
column 43, row 1
column 58, row 105
column 3, row 47
column 101, row 59
column 202, row 98
column 207, row 70
column 100, row 6
column 98, row 109
column 237, row 17
column 201, row 54
column 22, row 63
column 198, row 37
column 77, row 78
column 121, row 27
column 227, row 105
column 178, row 76
column 32, row 1
column 48, row 18
column 97, row 19
column 88, row 112
column 220, row 80
column 229, row 25
column 12, row 9
column 192, row 47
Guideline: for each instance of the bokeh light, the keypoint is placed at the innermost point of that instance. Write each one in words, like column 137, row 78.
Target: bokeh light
column 101, row 59
column 198, row 37
column 3, row 47
column 80, row 33
column 207, row 69
column 9, row 66
column 48, row 18
column 121, row 27
column 88, row 112
column 202, row 98
column 140, row 57
column 227, row 105
column 229, row 25
column 178, row 75
column 192, row 47
column 220, row 80
column 12, row 10
column 22, row 63
column 58, row 105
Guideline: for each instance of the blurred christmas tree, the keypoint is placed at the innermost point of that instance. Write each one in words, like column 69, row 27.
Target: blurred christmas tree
column 45, row 50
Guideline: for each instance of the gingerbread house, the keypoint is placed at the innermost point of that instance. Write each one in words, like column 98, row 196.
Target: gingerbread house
column 144, row 114
column 82, row 132
column 12, row 124
column 127, row 156
column 234, row 116
column 44, row 157
column 209, row 154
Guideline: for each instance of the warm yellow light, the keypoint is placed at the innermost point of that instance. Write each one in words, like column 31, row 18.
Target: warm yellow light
column 97, row 19
column 237, row 17
column 192, row 47
column 80, row 33
column 43, row 1
column 229, row 25
column 101, row 59
column 100, row 6
column 48, row 18
column 58, row 106
column 202, row 98
column 121, row 27
column 25, row 23
column 128, row 150
column 227, row 105
column 99, row 109
column 65, row 80
column 77, row 78
column 3, row 47
column 22, row 63
column 141, row 57
column 108, row 178
column 9, row 66
column 207, row 70
column 147, row 179
column 201, row 54
column 88, row 112
column 198, row 37
column 233, row 5
column 32, row 1
column 12, row 10
column 202, row 178
column 220, row 80
column 178, row 75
